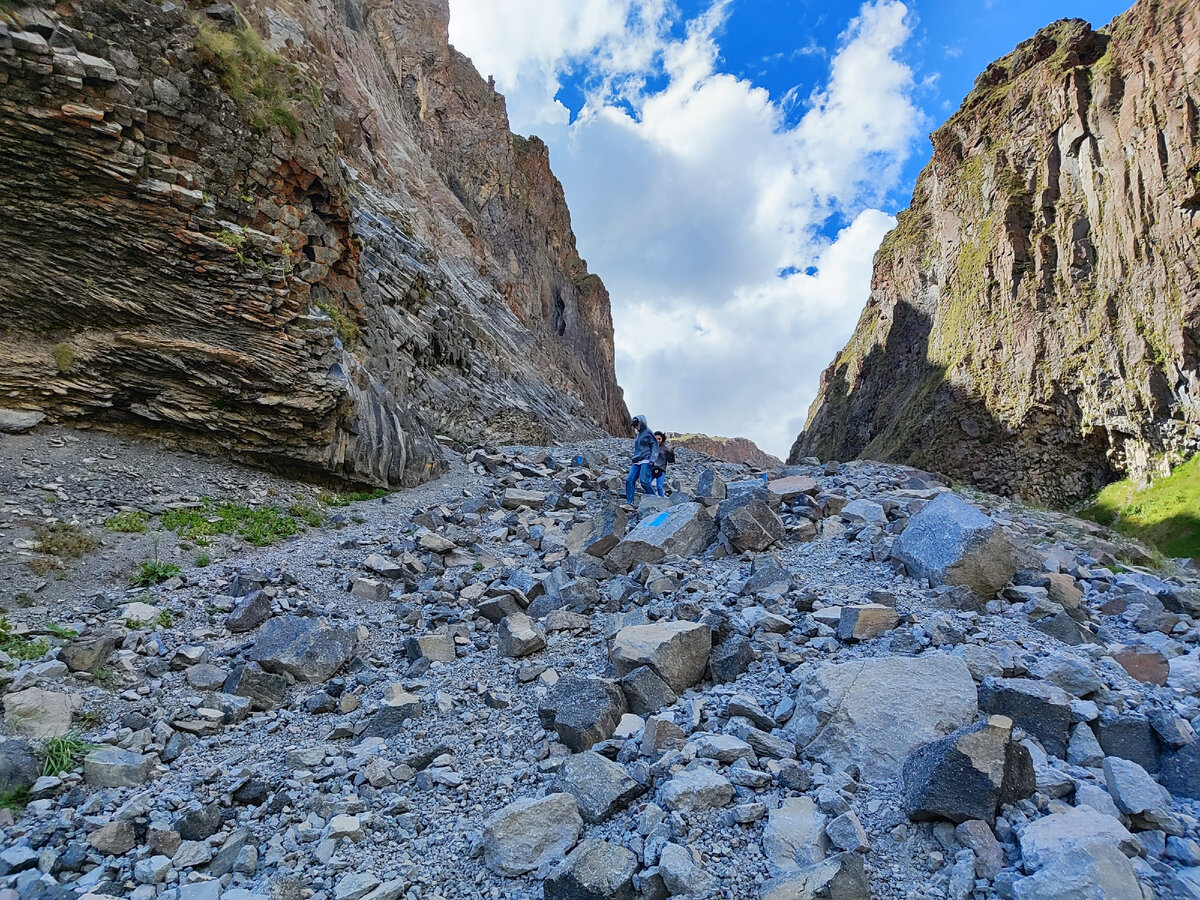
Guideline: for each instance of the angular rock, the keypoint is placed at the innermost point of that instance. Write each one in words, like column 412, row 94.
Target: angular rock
column 1133, row 790
column 597, row 535
column 874, row 712
column 1044, row 710
column 847, row 833
column 680, row 874
column 1129, row 736
column 731, row 659
column 1087, row 872
column 515, row 498
column 249, row 612
column 794, row 836
column 1181, row 771
column 951, row 542
column 114, row 839
column 433, row 647
column 645, row 692
column 583, row 711
column 1084, row 749
column 683, row 530
column 1048, row 838
column 265, row 690
column 595, row 870
column 676, row 651
column 113, row 767
column 978, row 837
column 87, row 654
column 518, row 636
column 309, row 650
column 968, row 774
column 1071, row 673
column 696, row 789
column 19, row 768
column 370, row 589
column 40, row 714
column 601, row 788
column 200, row 823
column 840, row 877
column 1145, row 664
column 531, row 832
column 861, row 623
column 710, row 487
column 789, row 488
column 749, row 524
column 19, row 421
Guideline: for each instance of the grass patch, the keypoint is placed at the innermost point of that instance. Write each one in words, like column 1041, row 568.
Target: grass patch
column 64, row 540
column 165, row 618
column 265, row 84
column 18, row 646
column 60, row 631
column 342, row 323
column 332, row 499
column 306, row 514
column 261, row 526
column 152, row 571
column 128, row 522
column 64, row 754
column 64, row 357
column 16, row 799
column 1166, row 515
column 202, row 560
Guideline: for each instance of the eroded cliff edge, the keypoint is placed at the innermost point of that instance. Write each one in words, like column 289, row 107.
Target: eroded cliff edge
column 295, row 233
column 1034, row 317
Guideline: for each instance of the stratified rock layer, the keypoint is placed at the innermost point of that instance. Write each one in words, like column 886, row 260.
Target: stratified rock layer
column 312, row 249
column 1034, row 318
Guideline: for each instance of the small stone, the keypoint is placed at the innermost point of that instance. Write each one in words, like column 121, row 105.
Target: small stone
column 695, row 790
column 519, row 636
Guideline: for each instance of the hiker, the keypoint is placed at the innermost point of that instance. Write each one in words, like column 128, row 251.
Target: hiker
column 645, row 449
column 664, row 457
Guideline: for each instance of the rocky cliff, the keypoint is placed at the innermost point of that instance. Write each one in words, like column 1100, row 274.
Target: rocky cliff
column 300, row 234
column 1034, row 317
column 733, row 450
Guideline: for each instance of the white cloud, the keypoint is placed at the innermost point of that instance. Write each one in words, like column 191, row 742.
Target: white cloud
column 689, row 199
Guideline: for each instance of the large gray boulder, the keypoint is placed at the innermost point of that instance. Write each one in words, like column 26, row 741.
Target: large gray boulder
column 676, row 651
column 840, row 877
column 583, row 711
column 968, row 774
column 1088, row 872
column 595, row 870
column 1048, row 838
column 308, row 649
column 597, row 535
column 875, row 712
column 749, row 523
column 19, row 768
column 87, row 654
column 600, row 787
column 1042, row 709
column 951, row 542
column 794, row 836
column 531, row 832
column 40, row 714
column 683, row 530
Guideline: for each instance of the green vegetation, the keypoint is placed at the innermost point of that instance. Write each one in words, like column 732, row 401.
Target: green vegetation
column 17, row 798
column 202, row 560
column 108, row 678
column 152, row 571
column 332, row 499
column 18, row 646
column 262, row 82
column 306, row 514
column 342, row 323
column 1165, row 515
column 232, row 239
column 60, row 631
column 64, row 357
column 128, row 522
column 261, row 526
column 63, row 754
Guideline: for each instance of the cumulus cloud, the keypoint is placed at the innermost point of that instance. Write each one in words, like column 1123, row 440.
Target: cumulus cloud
column 707, row 215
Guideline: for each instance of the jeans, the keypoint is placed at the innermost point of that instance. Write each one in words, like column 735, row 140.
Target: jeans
column 658, row 483
column 639, row 473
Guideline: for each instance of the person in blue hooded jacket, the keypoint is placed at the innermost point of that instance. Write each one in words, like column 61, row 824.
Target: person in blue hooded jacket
column 645, row 449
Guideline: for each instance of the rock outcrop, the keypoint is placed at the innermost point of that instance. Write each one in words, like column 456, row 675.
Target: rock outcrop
column 1034, row 318
column 297, row 234
column 727, row 449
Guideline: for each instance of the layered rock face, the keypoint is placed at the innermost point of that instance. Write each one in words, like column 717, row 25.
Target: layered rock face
column 299, row 234
column 1034, row 317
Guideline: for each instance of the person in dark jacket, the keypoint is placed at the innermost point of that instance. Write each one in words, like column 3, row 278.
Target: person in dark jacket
column 658, row 466
column 645, row 449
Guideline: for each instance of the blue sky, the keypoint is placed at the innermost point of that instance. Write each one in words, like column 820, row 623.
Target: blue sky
column 731, row 166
